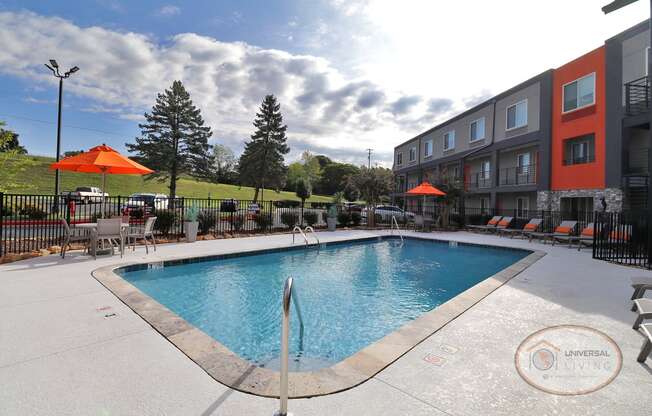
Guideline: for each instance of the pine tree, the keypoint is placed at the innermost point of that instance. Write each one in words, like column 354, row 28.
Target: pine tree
column 261, row 163
column 174, row 140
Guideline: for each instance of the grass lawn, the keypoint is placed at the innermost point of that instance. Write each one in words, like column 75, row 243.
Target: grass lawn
column 39, row 179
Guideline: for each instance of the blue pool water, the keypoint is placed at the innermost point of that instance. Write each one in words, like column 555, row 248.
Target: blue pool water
column 350, row 294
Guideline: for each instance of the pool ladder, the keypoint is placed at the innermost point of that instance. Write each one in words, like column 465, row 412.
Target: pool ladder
column 303, row 234
column 394, row 224
column 289, row 296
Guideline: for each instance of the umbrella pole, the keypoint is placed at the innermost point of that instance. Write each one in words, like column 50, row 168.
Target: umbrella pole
column 103, row 192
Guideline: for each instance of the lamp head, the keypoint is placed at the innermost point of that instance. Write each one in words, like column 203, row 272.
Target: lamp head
column 54, row 63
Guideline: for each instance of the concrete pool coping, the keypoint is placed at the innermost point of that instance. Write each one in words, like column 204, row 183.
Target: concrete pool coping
column 229, row 369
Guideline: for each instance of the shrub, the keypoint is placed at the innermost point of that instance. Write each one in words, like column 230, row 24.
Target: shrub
column 6, row 212
column 33, row 213
column 310, row 217
column 165, row 220
column 263, row 221
column 287, row 204
column 344, row 218
column 206, row 221
column 236, row 222
column 192, row 213
column 356, row 218
column 290, row 218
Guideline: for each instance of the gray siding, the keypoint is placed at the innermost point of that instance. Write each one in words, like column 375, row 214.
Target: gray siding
column 633, row 62
column 532, row 94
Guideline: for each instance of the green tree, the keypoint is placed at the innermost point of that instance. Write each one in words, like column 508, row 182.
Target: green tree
column 174, row 140
column 13, row 163
column 311, row 167
column 9, row 142
column 323, row 160
column 334, row 177
column 224, row 164
column 303, row 191
column 374, row 183
column 295, row 172
column 351, row 192
column 261, row 163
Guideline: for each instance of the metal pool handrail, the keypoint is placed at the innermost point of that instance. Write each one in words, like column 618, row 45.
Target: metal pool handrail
column 312, row 230
column 297, row 228
column 398, row 230
column 289, row 295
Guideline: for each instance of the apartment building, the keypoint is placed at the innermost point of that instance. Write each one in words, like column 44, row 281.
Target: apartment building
column 497, row 151
column 574, row 139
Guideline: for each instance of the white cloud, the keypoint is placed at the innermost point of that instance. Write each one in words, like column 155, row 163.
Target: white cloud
column 122, row 73
column 169, row 10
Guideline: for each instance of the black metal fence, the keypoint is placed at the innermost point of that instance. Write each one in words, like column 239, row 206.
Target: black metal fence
column 33, row 222
column 624, row 237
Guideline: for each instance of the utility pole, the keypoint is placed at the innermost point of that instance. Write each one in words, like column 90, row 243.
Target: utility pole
column 369, row 157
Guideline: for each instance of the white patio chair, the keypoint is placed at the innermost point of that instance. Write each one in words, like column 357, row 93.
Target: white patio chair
column 147, row 232
column 72, row 235
column 109, row 230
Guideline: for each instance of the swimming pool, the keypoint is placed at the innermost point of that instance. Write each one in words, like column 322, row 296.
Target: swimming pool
column 351, row 294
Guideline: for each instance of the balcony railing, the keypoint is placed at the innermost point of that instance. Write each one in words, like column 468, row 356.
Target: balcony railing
column 520, row 175
column 637, row 160
column 479, row 180
column 637, row 96
column 579, row 160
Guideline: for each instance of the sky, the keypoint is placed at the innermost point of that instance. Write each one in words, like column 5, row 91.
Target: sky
column 349, row 74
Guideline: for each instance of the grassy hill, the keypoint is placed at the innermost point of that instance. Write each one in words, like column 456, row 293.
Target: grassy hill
column 39, row 179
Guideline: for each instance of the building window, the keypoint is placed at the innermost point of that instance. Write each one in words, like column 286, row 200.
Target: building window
column 579, row 150
column 413, row 154
column 456, row 172
column 449, row 140
column 427, row 148
column 485, row 169
column 524, row 162
column 579, row 93
column 517, row 115
column 522, row 207
column 476, row 130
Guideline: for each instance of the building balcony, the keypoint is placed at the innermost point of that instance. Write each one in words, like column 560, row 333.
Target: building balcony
column 478, row 180
column 520, row 175
column 637, row 96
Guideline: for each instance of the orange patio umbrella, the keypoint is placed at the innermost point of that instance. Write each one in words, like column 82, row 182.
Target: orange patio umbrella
column 102, row 159
column 425, row 189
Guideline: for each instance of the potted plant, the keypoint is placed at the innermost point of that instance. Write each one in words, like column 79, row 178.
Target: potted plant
column 191, row 224
column 331, row 220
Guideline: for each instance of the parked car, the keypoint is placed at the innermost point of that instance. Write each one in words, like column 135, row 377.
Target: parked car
column 353, row 207
column 146, row 202
column 85, row 195
column 387, row 211
column 230, row 205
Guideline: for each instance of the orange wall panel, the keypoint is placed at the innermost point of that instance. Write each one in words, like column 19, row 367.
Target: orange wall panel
column 578, row 123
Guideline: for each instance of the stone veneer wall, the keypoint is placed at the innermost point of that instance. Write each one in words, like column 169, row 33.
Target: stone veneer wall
column 551, row 200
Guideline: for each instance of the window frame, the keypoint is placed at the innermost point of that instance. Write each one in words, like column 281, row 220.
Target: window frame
column 471, row 139
column 425, row 147
column 412, row 151
column 569, row 157
column 444, row 140
column 527, row 119
column 563, row 93
column 523, row 169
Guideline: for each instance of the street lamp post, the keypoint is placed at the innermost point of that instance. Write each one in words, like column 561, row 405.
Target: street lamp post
column 54, row 67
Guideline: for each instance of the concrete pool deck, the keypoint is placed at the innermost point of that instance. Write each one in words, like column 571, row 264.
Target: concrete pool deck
column 69, row 346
